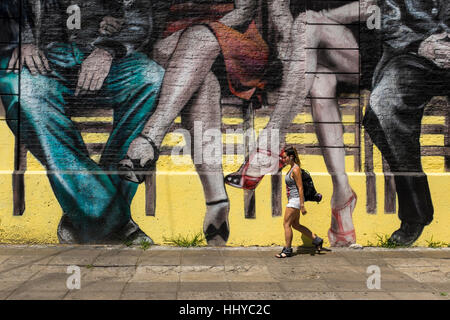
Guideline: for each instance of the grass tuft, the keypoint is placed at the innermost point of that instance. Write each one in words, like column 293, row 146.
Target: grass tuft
column 186, row 241
column 384, row 242
column 145, row 244
column 435, row 244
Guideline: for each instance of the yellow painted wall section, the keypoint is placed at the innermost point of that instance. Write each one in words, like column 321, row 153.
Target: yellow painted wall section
column 181, row 206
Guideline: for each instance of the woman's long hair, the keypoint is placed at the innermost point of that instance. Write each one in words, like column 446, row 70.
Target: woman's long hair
column 291, row 151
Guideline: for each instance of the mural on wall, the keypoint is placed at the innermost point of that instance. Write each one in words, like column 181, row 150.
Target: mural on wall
column 153, row 61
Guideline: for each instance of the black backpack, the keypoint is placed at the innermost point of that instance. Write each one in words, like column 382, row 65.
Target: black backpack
column 309, row 191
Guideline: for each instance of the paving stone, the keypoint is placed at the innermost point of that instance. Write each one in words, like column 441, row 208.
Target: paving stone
column 3, row 258
column 151, row 287
column 396, row 253
column 149, row 296
column 284, row 296
column 212, row 258
column 237, row 260
column 118, row 258
column 158, row 273
column 30, row 259
column 12, row 272
column 92, row 295
column 405, row 286
column 304, row 285
column 160, row 258
column 255, row 286
column 293, row 273
column 425, row 274
column 372, row 295
column 46, row 282
column 434, row 254
column 10, row 250
column 37, row 295
column 408, row 262
column 112, row 286
column 248, row 274
column 204, row 286
column 78, row 257
column 10, row 285
column 440, row 287
column 205, row 295
column 416, row 296
column 5, row 294
column 202, row 273
column 346, row 286
column 107, row 273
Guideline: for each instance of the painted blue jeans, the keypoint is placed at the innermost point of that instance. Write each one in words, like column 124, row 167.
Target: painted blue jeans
column 94, row 197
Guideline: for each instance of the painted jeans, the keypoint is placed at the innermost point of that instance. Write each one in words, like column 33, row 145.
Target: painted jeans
column 403, row 86
column 94, row 197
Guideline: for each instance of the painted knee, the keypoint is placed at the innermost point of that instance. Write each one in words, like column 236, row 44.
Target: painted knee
column 203, row 37
column 324, row 85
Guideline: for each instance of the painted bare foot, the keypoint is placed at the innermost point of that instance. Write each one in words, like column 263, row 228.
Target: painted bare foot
column 342, row 231
column 140, row 158
column 215, row 226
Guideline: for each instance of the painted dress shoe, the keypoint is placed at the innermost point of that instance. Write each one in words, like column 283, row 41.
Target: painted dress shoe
column 66, row 231
column 407, row 234
column 133, row 170
column 130, row 234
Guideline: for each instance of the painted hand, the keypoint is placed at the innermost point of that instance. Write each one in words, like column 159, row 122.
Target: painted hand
column 437, row 49
column 110, row 25
column 94, row 71
column 32, row 57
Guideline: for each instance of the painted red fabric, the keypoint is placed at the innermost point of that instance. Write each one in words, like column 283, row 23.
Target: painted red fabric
column 246, row 55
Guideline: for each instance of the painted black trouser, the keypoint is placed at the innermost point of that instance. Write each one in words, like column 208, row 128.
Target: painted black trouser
column 403, row 85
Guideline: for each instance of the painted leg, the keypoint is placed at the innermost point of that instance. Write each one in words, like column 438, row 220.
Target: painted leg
column 186, row 71
column 53, row 139
column 205, row 112
column 329, row 130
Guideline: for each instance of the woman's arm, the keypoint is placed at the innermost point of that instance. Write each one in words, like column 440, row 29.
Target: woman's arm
column 298, row 180
column 244, row 12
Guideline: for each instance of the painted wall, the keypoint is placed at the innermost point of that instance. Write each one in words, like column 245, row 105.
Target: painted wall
column 172, row 200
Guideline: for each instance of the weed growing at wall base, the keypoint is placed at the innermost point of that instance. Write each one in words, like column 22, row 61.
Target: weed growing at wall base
column 186, row 241
column 436, row 244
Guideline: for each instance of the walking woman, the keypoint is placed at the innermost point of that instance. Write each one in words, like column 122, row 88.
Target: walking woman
column 296, row 203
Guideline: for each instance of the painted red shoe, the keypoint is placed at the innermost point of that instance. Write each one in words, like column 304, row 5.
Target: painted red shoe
column 338, row 238
column 241, row 180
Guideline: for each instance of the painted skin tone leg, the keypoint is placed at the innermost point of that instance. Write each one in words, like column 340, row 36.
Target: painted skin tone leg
column 321, row 85
column 205, row 109
column 329, row 130
column 189, row 64
column 204, row 106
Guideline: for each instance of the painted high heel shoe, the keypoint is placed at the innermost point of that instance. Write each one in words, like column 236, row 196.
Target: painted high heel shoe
column 343, row 239
column 132, row 170
column 241, row 180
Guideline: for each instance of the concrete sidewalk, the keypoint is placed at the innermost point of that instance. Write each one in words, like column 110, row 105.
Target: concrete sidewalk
column 119, row 272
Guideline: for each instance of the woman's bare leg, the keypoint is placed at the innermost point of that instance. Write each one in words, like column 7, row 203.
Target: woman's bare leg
column 290, row 215
column 204, row 110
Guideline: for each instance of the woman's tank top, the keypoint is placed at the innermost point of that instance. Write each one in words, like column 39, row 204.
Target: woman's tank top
column 291, row 185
